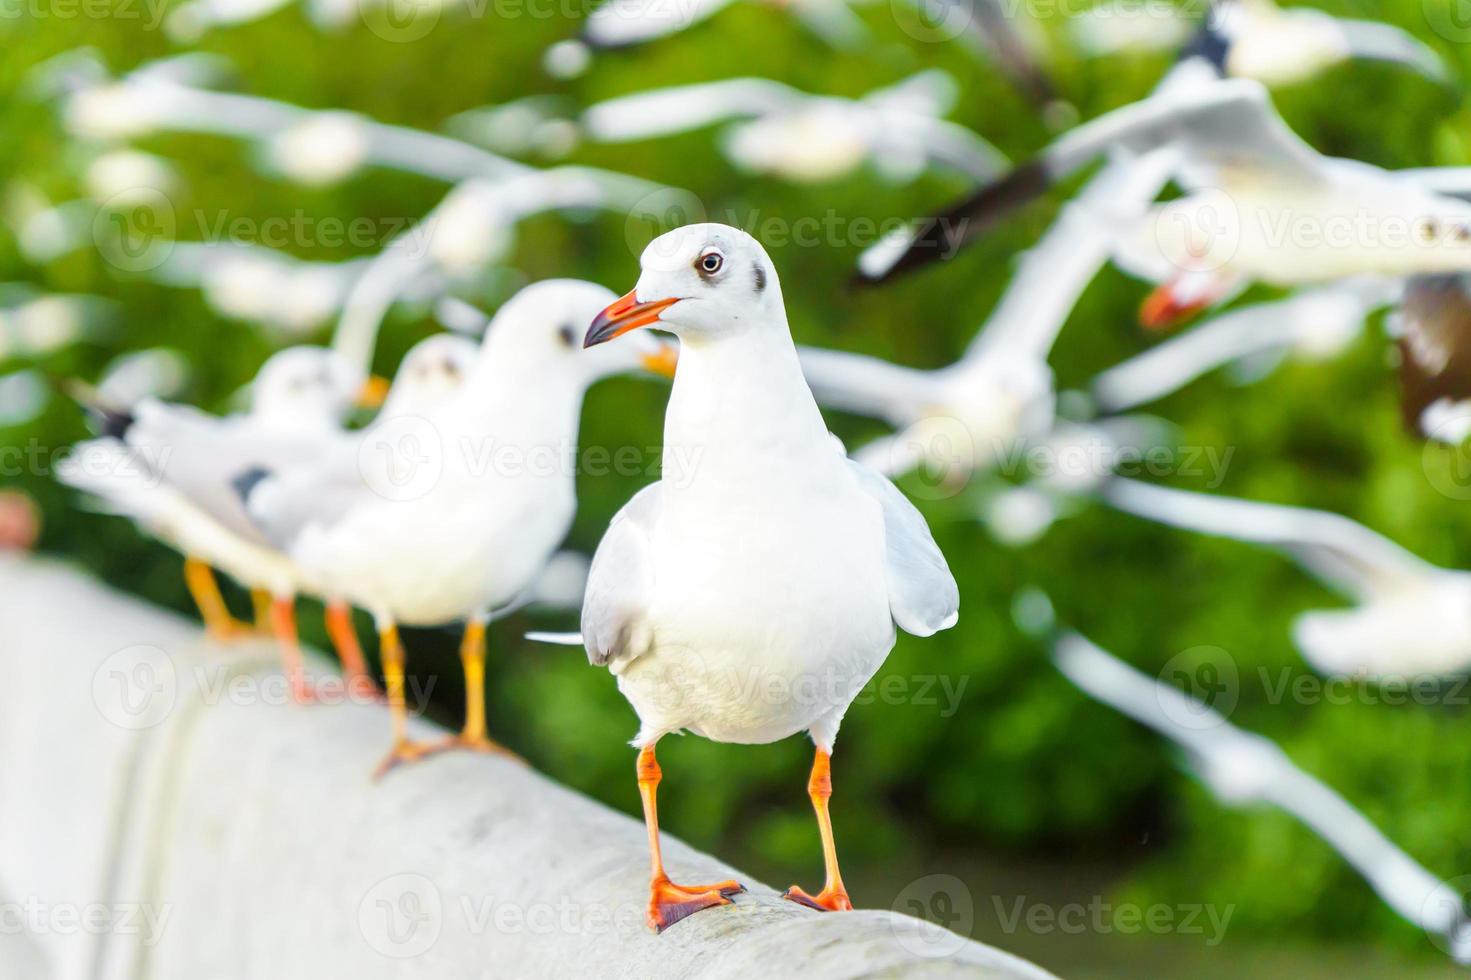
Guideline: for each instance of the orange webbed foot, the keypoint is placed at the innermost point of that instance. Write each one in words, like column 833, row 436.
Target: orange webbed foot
column 403, row 753
column 668, row 902
column 472, row 743
column 827, row 900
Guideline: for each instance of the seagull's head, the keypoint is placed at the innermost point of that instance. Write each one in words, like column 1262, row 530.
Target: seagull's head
column 698, row 282
column 306, row 385
column 538, row 332
column 430, row 372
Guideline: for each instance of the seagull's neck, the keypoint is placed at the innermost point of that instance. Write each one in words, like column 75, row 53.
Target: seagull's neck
column 741, row 409
column 521, row 407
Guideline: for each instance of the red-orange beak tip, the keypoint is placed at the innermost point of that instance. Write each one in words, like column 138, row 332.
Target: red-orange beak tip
column 622, row 315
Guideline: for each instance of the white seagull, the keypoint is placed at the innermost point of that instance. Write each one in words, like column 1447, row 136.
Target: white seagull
column 1315, row 324
column 775, row 558
column 452, row 514
column 966, row 416
column 169, row 467
column 1410, row 618
column 1274, row 45
column 1261, row 204
column 805, row 137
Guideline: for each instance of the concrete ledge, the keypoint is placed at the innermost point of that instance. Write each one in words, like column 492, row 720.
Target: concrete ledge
column 199, row 835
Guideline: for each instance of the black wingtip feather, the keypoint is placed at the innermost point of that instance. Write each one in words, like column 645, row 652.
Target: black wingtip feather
column 1209, row 42
column 943, row 236
column 244, row 484
column 110, row 421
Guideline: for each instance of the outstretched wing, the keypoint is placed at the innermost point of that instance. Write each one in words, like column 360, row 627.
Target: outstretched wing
column 662, row 111
column 619, row 583
column 923, row 596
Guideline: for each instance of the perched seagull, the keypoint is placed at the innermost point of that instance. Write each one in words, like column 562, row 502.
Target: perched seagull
column 967, row 415
column 805, row 137
column 169, row 468
column 451, row 514
column 1315, row 324
column 1273, row 45
column 1262, row 205
column 1411, row 618
column 776, row 555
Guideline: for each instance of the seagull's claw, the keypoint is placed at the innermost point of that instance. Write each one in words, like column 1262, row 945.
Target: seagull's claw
column 668, row 902
column 472, row 743
column 403, row 753
column 232, row 630
column 834, row 900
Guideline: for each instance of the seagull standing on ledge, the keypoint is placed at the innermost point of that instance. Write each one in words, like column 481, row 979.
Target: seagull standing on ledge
column 452, row 514
column 752, row 596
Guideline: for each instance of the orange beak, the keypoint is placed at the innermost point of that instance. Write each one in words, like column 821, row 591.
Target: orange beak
column 1163, row 310
column 624, row 314
column 373, row 391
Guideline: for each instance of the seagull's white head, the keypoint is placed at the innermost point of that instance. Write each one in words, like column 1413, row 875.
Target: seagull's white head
column 430, row 372
column 538, row 333
column 306, row 385
column 698, row 282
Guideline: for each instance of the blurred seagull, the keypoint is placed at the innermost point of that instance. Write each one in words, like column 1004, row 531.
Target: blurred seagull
column 776, row 555
column 1270, row 44
column 1411, row 618
column 1433, row 325
column 969, row 414
column 806, row 137
column 987, row 27
column 169, row 467
column 452, row 513
column 1315, row 323
column 1261, row 205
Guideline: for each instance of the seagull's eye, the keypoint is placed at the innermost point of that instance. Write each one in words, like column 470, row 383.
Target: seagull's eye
column 1429, row 230
column 710, row 263
column 567, row 335
column 1463, row 233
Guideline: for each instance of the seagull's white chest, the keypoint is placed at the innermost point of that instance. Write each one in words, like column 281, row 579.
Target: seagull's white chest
column 770, row 608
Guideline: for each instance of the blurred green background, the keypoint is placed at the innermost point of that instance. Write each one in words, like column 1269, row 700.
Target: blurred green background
column 1028, row 789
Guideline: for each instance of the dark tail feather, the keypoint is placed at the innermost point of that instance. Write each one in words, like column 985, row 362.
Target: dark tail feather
column 109, row 420
column 941, row 237
column 1209, row 42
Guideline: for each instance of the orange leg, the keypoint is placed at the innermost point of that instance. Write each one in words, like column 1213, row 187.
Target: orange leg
column 218, row 622
column 833, row 897
column 668, row 902
column 349, row 651
column 260, row 600
column 283, row 619
column 393, row 674
column 472, row 736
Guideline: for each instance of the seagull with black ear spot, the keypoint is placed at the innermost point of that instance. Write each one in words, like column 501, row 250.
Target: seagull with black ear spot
column 752, row 592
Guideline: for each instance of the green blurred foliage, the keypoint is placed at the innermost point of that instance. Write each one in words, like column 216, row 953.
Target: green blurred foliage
column 1027, row 765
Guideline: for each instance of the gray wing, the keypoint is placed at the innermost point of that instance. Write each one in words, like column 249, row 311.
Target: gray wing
column 1341, row 552
column 201, row 455
column 866, row 385
column 923, row 596
column 1376, row 41
column 282, row 503
column 620, row 581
